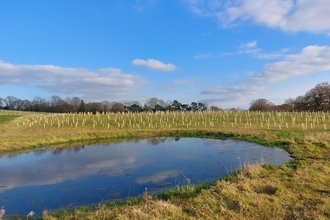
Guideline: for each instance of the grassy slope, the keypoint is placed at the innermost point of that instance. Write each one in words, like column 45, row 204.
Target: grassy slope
column 296, row 190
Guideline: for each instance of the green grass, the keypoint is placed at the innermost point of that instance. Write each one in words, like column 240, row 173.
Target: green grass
column 7, row 118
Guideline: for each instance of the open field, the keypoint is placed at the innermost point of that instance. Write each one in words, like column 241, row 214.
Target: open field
column 296, row 190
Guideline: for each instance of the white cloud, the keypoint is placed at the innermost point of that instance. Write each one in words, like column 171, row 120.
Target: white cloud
column 259, row 54
column 233, row 90
column 311, row 59
column 203, row 55
column 278, row 54
column 233, row 95
column 249, row 45
column 251, row 48
column 269, row 12
column 289, row 15
column 109, row 83
column 154, row 64
column 309, row 15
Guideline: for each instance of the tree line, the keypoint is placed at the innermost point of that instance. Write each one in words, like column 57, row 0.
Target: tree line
column 316, row 99
column 58, row 105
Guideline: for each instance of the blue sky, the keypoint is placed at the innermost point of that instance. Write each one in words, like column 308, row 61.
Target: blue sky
column 222, row 52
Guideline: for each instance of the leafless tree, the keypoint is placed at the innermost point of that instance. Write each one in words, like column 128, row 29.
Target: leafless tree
column 11, row 102
column 94, row 107
column 106, row 105
column 215, row 108
column 153, row 102
column 57, row 103
column 118, row 107
column 39, row 104
column 261, row 105
column 75, row 102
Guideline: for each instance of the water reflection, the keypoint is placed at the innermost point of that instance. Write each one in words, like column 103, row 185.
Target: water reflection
column 58, row 151
column 82, row 175
column 58, row 165
column 159, row 177
column 156, row 141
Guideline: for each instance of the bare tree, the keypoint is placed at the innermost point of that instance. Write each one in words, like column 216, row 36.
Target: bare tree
column 11, row 102
column 215, row 108
column 153, row 102
column 56, row 103
column 261, row 105
column 118, row 107
column 94, row 107
column 75, row 102
column 106, row 105
column 39, row 104
column 290, row 103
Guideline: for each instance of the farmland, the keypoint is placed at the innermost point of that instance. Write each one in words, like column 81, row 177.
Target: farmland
column 296, row 190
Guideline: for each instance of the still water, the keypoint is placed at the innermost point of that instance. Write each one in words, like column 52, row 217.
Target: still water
column 70, row 177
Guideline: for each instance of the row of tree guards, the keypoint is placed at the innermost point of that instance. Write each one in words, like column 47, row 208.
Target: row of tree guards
column 176, row 119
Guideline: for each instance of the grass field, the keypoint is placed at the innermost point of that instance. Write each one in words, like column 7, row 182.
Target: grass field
column 299, row 189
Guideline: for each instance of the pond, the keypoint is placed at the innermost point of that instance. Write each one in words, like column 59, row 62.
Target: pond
column 83, row 175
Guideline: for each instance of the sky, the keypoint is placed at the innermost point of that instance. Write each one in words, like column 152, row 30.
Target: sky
column 224, row 53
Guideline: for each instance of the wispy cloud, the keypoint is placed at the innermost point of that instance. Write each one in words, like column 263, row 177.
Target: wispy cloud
column 260, row 54
column 233, row 90
column 203, row 55
column 288, row 15
column 251, row 48
column 154, row 64
column 311, row 59
column 248, row 45
column 108, row 83
column 231, row 94
column 277, row 54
